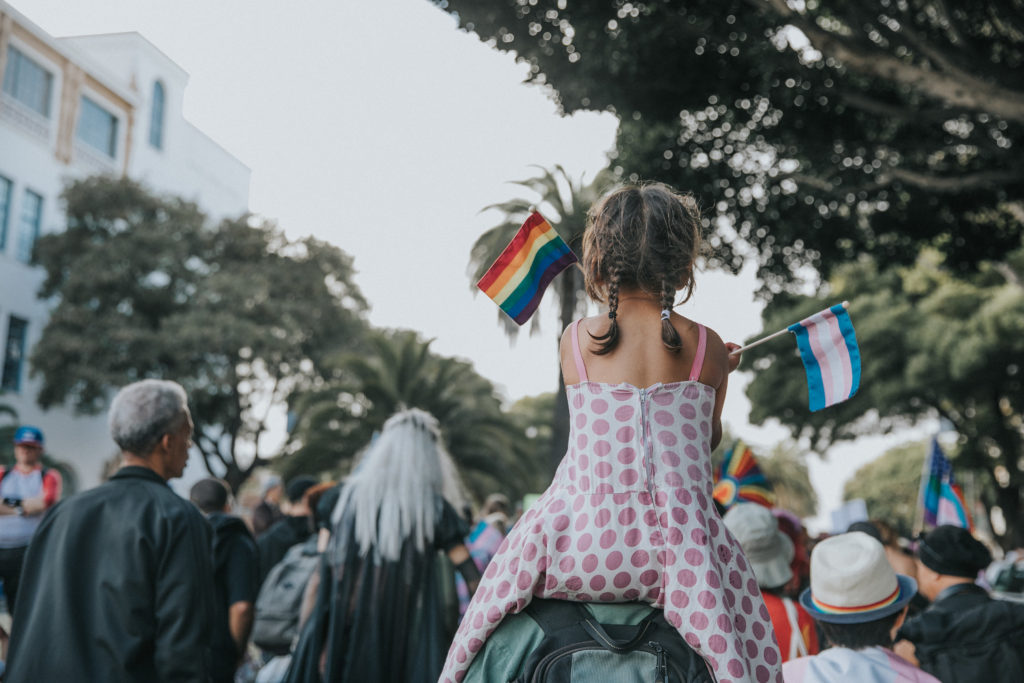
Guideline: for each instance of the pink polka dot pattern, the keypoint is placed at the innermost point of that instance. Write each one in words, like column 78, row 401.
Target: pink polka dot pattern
column 629, row 516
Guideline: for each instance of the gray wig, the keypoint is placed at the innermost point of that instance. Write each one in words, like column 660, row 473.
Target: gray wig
column 394, row 493
column 143, row 412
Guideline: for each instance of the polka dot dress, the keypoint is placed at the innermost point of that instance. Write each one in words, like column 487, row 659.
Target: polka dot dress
column 629, row 517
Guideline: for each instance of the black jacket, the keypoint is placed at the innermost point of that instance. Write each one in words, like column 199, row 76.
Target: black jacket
column 235, row 579
column 967, row 636
column 116, row 587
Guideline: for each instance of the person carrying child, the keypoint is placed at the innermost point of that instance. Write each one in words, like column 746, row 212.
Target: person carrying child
column 629, row 516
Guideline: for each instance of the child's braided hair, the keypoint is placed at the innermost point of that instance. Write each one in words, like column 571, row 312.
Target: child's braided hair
column 645, row 236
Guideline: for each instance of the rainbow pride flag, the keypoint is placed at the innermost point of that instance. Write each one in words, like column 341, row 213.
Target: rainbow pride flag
column 828, row 349
column 740, row 479
column 517, row 279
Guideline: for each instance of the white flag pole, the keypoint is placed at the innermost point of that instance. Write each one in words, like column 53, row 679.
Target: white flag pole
column 762, row 340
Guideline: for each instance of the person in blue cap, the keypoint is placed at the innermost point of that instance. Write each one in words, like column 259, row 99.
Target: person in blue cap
column 28, row 489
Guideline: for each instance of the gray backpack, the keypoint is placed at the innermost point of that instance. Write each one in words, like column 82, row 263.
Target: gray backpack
column 280, row 599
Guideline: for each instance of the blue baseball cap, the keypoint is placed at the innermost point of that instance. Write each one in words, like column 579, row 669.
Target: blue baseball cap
column 27, row 435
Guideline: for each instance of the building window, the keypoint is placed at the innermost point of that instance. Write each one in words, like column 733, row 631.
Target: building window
column 28, row 82
column 14, row 354
column 156, row 119
column 5, row 209
column 28, row 228
column 97, row 127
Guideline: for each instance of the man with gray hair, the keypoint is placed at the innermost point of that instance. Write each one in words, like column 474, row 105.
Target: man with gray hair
column 117, row 584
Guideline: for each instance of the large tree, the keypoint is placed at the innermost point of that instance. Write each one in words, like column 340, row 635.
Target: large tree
column 889, row 486
column 933, row 346
column 338, row 416
column 143, row 286
column 812, row 132
column 564, row 202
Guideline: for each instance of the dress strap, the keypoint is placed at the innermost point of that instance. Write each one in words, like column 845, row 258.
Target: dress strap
column 581, row 370
column 698, row 358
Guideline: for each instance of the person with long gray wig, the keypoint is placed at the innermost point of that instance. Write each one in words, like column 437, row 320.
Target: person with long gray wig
column 381, row 613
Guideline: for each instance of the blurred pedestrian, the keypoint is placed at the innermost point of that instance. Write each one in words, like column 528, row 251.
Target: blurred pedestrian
column 484, row 540
column 235, row 578
column 28, row 490
column 965, row 635
column 294, row 527
column 770, row 553
column 859, row 601
column 268, row 511
column 380, row 614
column 117, row 582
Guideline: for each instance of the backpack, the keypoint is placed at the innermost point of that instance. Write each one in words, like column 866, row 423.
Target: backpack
column 577, row 648
column 277, row 606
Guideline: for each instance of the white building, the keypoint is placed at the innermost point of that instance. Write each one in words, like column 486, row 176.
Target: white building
column 72, row 107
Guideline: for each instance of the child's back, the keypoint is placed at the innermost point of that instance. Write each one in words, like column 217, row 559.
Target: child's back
column 629, row 515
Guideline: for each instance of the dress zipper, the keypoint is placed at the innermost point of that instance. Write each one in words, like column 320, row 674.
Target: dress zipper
column 645, row 442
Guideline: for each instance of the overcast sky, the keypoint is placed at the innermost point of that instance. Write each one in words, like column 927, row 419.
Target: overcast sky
column 381, row 128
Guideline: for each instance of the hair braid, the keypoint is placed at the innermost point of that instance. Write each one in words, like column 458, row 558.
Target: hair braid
column 669, row 334
column 610, row 339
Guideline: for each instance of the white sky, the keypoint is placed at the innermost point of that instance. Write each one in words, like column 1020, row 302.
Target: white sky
column 379, row 127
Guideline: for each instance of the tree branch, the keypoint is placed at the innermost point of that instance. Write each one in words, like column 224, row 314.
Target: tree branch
column 958, row 89
column 950, row 184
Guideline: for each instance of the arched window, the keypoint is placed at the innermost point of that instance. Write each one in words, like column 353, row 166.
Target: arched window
column 156, row 120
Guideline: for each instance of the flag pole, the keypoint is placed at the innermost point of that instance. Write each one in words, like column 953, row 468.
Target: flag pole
column 762, row 340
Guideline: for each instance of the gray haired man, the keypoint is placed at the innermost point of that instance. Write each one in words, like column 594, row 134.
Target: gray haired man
column 117, row 584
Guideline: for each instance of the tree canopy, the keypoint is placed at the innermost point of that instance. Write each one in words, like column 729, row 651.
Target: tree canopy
column 338, row 417
column 143, row 286
column 889, row 486
column 812, row 132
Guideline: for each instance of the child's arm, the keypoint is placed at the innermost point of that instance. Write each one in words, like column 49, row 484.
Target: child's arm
column 722, row 365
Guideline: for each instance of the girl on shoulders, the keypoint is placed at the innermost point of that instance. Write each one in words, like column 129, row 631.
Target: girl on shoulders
column 629, row 516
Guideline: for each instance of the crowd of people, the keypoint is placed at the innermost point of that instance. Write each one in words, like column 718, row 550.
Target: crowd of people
column 625, row 568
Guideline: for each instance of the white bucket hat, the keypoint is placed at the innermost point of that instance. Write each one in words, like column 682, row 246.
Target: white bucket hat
column 769, row 551
column 852, row 581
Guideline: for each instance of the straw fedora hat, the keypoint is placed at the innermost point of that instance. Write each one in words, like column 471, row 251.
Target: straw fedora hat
column 852, row 581
column 768, row 550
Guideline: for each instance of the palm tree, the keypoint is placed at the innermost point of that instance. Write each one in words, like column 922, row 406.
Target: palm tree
column 564, row 202
column 335, row 420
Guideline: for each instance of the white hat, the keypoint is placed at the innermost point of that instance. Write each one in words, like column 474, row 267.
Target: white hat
column 852, row 581
column 769, row 551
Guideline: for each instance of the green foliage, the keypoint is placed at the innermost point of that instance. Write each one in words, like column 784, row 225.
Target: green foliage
column 239, row 315
column 819, row 131
column 890, row 486
column 932, row 345
column 336, row 418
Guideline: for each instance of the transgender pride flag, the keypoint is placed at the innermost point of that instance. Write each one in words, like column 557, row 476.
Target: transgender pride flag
column 829, row 351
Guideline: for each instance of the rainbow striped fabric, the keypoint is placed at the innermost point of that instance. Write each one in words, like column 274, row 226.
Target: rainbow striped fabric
column 828, row 348
column 740, row 479
column 941, row 497
column 517, row 279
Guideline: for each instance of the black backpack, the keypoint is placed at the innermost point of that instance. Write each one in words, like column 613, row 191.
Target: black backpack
column 277, row 607
column 577, row 648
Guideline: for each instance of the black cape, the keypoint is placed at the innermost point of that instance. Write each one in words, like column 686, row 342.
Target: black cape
column 116, row 587
column 390, row 622
column 967, row 636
